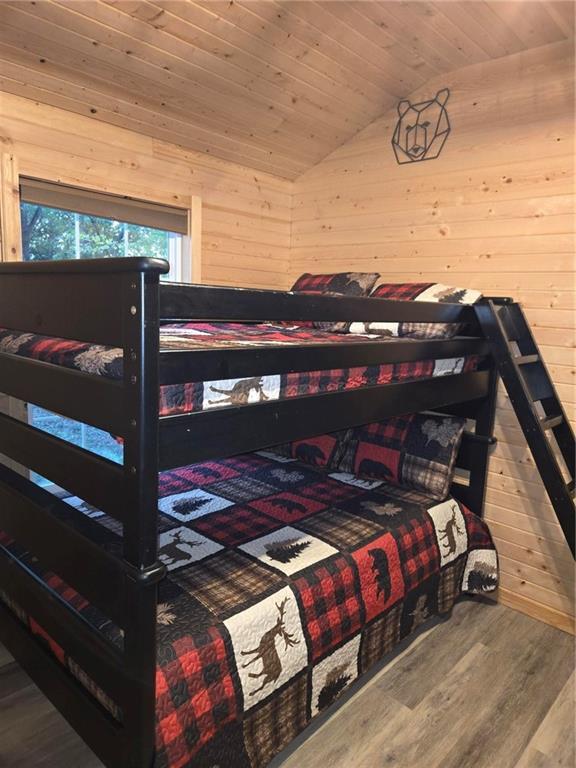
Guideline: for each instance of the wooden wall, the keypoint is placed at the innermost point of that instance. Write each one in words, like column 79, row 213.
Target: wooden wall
column 495, row 211
column 245, row 214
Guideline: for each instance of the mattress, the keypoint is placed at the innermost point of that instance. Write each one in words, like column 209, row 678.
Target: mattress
column 196, row 396
column 284, row 586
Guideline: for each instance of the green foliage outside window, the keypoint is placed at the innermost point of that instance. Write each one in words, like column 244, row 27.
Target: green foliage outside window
column 50, row 233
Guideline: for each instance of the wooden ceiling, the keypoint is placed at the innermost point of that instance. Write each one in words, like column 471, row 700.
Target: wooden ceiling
column 275, row 86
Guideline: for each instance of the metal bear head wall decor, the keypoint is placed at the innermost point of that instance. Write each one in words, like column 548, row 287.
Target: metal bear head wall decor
column 422, row 129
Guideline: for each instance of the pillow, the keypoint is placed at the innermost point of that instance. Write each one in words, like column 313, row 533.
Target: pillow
column 323, row 451
column 415, row 451
column 338, row 284
column 435, row 292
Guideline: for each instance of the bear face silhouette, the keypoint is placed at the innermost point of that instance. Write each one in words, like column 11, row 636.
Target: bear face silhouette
column 422, row 129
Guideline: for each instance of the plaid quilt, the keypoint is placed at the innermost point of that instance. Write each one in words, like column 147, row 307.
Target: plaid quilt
column 431, row 292
column 197, row 396
column 285, row 585
column 415, row 450
column 340, row 283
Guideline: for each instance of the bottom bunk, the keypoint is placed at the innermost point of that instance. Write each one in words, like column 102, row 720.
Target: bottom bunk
column 284, row 584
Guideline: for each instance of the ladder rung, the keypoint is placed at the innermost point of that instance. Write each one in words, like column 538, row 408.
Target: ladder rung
column 549, row 422
column 526, row 359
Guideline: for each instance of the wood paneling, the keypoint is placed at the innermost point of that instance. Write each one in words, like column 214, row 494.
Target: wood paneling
column 245, row 226
column 495, row 211
column 10, row 234
column 271, row 85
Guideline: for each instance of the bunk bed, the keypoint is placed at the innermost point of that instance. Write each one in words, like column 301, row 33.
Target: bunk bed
column 183, row 669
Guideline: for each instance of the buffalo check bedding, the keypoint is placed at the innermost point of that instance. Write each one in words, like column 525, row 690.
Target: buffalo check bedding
column 284, row 585
column 196, row 396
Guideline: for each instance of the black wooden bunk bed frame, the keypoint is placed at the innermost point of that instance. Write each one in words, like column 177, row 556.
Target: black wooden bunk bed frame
column 121, row 303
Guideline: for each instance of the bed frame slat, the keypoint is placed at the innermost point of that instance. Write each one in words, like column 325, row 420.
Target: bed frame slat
column 96, row 480
column 226, row 431
column 214, row 364
column 86, row 301
column 27, row 515
column 98, row 657
column 102, row 734
column 207, row 302
column 93, row 400
column 73, row 306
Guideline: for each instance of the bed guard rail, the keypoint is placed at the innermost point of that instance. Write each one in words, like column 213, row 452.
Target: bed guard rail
column 180, row 302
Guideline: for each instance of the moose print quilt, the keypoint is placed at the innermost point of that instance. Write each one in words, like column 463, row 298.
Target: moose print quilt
column 201, row 395
column 284, row 585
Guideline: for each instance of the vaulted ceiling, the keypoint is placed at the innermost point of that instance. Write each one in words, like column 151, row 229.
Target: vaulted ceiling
column 272, row 85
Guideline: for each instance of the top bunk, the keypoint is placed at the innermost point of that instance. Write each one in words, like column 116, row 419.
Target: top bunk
column 148, row 344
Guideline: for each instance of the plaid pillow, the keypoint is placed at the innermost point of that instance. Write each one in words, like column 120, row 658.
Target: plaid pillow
column 338, row 284
column 435, row 292
column 416, row 451
column 319, row 451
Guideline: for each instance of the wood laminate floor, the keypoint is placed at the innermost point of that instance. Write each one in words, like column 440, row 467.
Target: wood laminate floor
column 490, row 688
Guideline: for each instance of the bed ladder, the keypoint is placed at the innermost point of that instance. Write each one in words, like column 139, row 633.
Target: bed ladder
column 528, row 382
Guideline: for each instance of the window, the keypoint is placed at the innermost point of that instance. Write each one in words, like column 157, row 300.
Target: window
column 61, row 222
column 87, row 437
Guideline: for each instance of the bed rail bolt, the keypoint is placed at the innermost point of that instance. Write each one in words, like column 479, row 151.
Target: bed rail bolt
column 483, row 439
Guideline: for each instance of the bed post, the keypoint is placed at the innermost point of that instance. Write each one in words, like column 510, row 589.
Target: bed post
column 485, row 434
column 475, row 448
column 141, row 346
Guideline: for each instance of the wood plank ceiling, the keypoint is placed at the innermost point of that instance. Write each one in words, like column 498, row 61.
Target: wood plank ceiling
column 275, row 86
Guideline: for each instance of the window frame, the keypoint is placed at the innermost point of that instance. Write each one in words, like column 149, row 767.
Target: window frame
column 12, row 171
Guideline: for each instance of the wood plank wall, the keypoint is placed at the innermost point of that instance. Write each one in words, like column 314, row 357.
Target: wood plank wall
column 245, row 213
column 495, row 211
